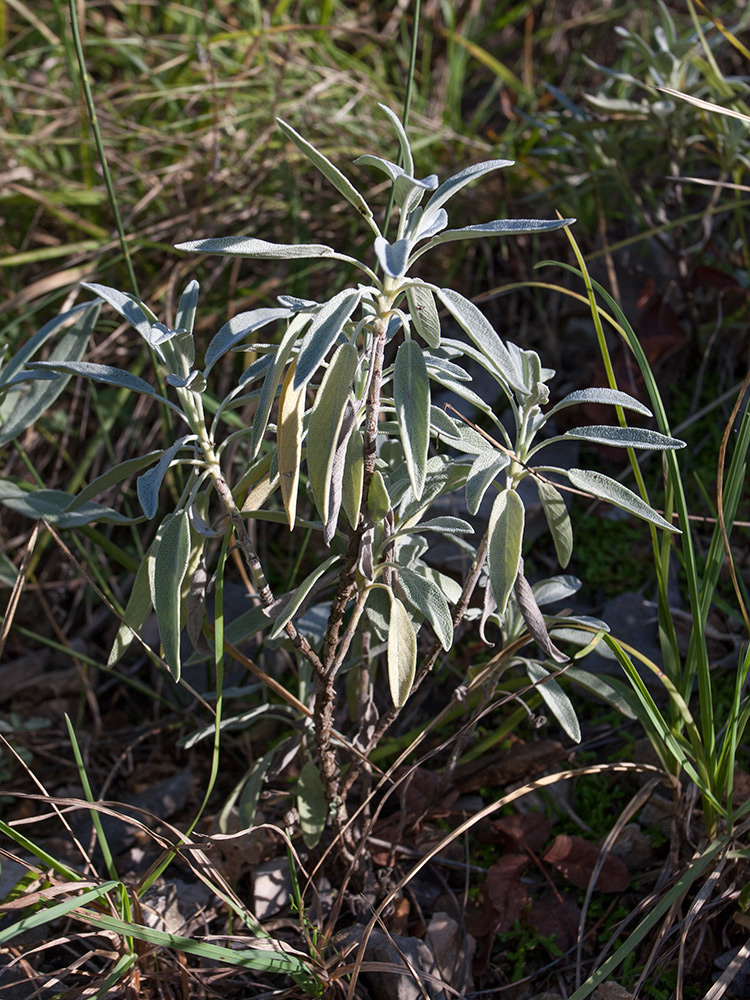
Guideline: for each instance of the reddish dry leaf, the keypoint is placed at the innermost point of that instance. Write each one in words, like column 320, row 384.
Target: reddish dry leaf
column 576, row 859
column 532, row 830
column 556, row 915
column 505, row 890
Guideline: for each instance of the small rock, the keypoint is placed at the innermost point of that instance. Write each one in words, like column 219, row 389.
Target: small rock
column 453, row 950
column 396, row 981
column 272, row 887
column 611, row 991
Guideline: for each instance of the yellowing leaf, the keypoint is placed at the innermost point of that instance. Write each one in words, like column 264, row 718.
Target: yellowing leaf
column 291, row 411
column 402, row 653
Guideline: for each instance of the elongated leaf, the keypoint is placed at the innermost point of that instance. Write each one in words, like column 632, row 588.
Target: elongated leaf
column 238, row 327
column 390, row 169
column 424, row 314
column 452, row 370
column 446, row 525
column 409, row 191
column 289, row 436
column 106, row 374
column 403, row 139
column 499, row 227
column 311, row 804
column 128, row 306
column 428, row 599
column 342, row 183
column 411, row 389
column 246, row 246
column 480, row 330
column 454, row 184
column 323, row 333
column 613, row 397
column 555, row 588
column 187, row 307
column 506, row 539
column 534, row 619
column 485, row 469
column 271, row 382
column 113, row 476
column 444, row 425
column 337, row 472
column 54, row 506
column 604, row 488
column 392, row 257
column 354, row 468
column 625, row 437
column 297, row 599
column 402, row 653
column 558, row 521
column 555, row 698
column 20, row 412
column 610, row 689
column 326, row 418
column 149, row 484
column 378, row 500
column 170, row 566
column 136, row 613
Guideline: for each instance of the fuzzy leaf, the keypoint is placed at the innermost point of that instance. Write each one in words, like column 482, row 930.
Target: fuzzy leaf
column 55, row 506
column 338, row 469
column 411, row 389
column 558, row 521
column 170, row 566
column 113, row 476
column 428, row 599
column 354, row 467
column 403, row 139
column 485, row 469
column 148, row 485
column 137, row 610
column 106, row 374
column 424, row 314
column 402, row 653
column 128, row 306
column 323, row 332
column 392, row 257
column 454, row 184
column 342, row 183
column 555, row 699
column 608, row 396
column 506, row 539
column 625, row 437
column 326, row 417
column 21, row 412
column 236, row 329
column 289, row 439
column 271, row 382
column 604, row 488
column 311, row 804
column 245, row 246
column 299, row 595
column 444, row 425
column 499, row 227
column 378, row 501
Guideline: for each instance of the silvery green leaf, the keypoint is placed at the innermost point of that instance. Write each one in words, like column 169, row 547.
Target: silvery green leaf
column 195, row 381
column 434, row 223
column 136, row 612
column 296, row 304
column 323, row 333
column 486, row 467
column 443, row 424
column 615, row 493
column 624, row 437
column 390, row 169
column 342, row 184
column 448, row 367
column 236, row 329
column 470, row 441
column 161, row 334
column 454, row 184
column 289, row 433
column 424, row 314
column 447, row 525
column 556, row 588
column 246, row 625
column 610, row 690
column 555, row 698
column 506, row 539
column 299, row 595
column 312, row 805
column 149, row 484
column 558, row 520
column 128, row 306
column 461, row 390
column 534, row 619
column 449, row 588
column 443, row 476
column 499, row 227
column 392, row 257
column 106, row 374
column 246, row 246
column 481, row 331
column 170, row 566
column 256, row 370
column 272, row 379
column 200, row 526
column 403, row 139
column 411, row 389
column 337, row 472
column 428, row 599
column 113, row 476
column 53, row 506
column 378, row 610
column 409, row 190
column 378, row 500
column 186, row 308
column 326, row 418
column 76, row 326
column 353, row 478
column 608, row 396
column 402, row 653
